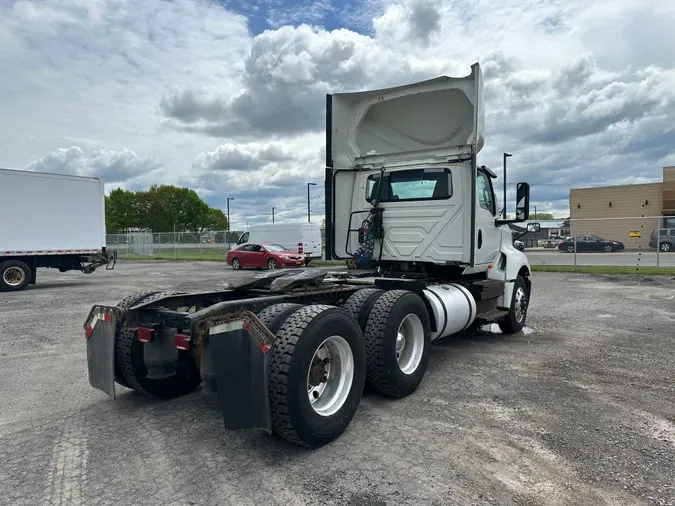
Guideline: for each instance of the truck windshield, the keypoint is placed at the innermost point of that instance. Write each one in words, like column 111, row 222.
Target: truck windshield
column 407, row 185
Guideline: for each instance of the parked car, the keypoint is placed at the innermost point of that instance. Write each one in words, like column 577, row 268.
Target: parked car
column 304, row 238
column 587, row 243
column 263, row 256
column 665, row 240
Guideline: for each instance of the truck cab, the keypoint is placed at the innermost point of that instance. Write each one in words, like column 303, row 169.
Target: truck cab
column 405, row 158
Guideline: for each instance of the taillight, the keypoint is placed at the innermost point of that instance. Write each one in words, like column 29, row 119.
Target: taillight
column 181, row 341
column 300, row 249
column 145, row 335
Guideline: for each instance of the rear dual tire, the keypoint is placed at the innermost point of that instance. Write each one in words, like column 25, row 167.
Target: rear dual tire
column 317, row 373
column 397, row 335
column 130, row 369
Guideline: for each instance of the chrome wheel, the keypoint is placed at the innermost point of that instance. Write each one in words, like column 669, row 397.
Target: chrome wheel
column 331, row 373
column 14, row 276
column 665, row 246
column 608, row 249
column 271, row 265
column 570, row 249
column 236, row 264
column 520, row 304
column 410, row 344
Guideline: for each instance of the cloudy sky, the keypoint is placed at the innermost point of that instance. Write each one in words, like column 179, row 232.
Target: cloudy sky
column 228, row 97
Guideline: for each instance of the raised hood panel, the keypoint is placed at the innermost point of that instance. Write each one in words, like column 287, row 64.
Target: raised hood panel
column 438, row 117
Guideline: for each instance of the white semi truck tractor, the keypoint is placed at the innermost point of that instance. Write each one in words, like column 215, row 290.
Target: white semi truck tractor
column 289, row 351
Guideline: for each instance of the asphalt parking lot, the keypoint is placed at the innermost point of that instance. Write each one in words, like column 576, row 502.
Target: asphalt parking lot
column 578, row 410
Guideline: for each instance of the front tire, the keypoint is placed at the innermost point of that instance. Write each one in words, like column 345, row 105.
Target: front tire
column 15, row 275
column 397, row 343
column 236, row 264
column 318, row 370
column 570, row 249
column 515, row 321
column 272, row 264
column 608, row 249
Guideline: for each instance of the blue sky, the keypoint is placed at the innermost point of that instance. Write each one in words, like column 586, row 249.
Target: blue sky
column 227, row 97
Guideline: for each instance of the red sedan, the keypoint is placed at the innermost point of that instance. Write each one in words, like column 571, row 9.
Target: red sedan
column 263, row 256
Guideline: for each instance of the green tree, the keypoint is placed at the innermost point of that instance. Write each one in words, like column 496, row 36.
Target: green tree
column 161, row 208
column 542, row 216
column 120, row 211
column 215, row 220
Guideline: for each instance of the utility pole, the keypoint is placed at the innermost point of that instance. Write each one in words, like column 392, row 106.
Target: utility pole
column 273, row 214
column 308, row 211
column 228, row 212
column 535, row 213
column 227, row 232
column 505, row 156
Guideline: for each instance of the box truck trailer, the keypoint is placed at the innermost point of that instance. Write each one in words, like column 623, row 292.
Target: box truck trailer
column 50, row 220
column 289, row 351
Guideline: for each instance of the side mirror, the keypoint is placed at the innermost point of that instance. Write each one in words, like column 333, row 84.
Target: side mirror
column 522, row 202
column 533, row 227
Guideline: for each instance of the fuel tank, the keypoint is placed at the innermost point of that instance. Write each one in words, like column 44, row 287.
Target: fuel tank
column 453, row 306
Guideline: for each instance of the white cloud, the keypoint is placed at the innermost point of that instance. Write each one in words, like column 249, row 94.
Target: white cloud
column 581, row 94
column 118, row 166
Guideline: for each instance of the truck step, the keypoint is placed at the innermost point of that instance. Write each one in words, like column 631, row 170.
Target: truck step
column 490, row 316
column 486, row 289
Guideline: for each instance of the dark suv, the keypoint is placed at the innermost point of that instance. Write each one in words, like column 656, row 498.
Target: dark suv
column 665, row 240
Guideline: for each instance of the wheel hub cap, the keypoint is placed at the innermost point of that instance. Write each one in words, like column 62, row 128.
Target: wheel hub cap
column 520, row 304
column 410, row 344
column 330, row 376
column 14, row 276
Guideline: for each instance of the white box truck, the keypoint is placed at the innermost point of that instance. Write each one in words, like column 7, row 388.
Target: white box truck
column 50, row 220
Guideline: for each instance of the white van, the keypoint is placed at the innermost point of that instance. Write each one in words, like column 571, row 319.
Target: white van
column 300, row 237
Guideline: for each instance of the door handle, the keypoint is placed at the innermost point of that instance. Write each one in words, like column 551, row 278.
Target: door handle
column 480, row 238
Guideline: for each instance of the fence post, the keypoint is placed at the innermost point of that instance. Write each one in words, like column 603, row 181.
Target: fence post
column 575, row 227
column 658, row 241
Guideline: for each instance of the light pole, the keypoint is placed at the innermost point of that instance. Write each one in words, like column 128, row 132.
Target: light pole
column 228, row 212
column 535, row 213
column 273, row 214
column 506, row 155
column 308, row 212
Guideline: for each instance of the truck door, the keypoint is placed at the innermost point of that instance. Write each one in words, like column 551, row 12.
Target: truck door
column 488, row 235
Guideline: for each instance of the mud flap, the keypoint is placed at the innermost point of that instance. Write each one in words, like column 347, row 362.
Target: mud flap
column 241, row 372
column 100, row 334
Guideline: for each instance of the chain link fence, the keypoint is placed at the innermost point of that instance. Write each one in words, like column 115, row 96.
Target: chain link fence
column 172, row 245
column 630, row 242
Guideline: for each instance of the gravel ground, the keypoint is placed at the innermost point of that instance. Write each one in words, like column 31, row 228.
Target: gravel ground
column 580, row 409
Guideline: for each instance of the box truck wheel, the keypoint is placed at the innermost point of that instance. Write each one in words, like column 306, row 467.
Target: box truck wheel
column 15, row 275
column 130, row 364
column 318, row 370
column 515, row 321
column 360, row 303
column 274, row 316
column 397, row 334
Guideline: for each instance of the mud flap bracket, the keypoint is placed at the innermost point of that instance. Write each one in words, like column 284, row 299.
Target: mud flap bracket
column 99, row 331
column 238, row 349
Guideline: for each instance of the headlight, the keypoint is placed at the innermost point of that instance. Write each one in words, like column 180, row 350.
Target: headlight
column 284, row 257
